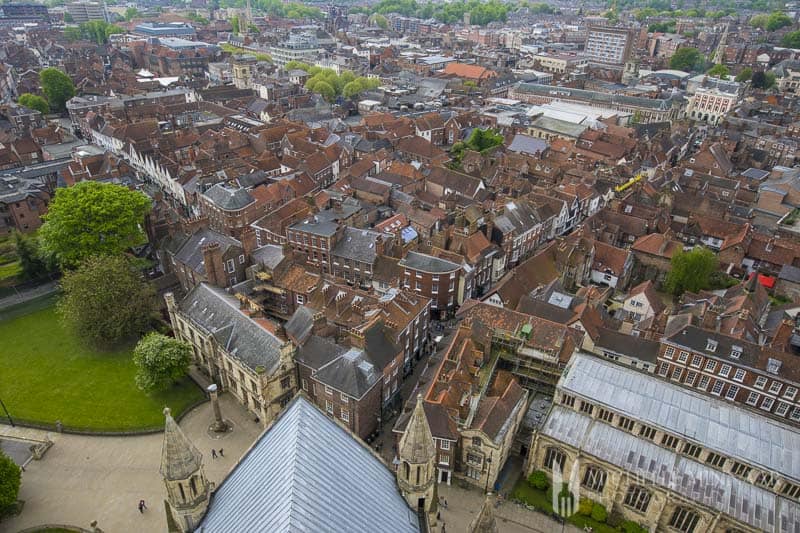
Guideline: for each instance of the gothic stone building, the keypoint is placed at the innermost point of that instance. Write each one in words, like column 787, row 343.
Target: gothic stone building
column 667, row 457
column 241, row 354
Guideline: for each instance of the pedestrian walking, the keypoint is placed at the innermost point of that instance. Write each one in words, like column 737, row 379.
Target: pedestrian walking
column 221, row 454
column 142, row 506
column 213, row 453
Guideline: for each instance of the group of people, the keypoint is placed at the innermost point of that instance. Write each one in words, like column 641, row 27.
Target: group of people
column 214, row 453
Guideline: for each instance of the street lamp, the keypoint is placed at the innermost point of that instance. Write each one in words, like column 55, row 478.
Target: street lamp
column 488, row 471
column 10, row 420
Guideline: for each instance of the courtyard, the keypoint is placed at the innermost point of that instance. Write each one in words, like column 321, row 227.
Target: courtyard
column 49, row 375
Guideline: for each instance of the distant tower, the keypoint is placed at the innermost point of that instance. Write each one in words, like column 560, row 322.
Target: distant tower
column 188, row 490
column 631, row 73
column 719, row 55
column 484, row 522
column 416, row 474
column 249, row 20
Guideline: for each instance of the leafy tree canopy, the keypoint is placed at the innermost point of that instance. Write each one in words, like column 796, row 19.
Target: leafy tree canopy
column 160, row 361
column 106, row 301
column 92, row 218
column 31, row 262
column 763, row 80
column 687, row 59
column 791, row 39
column 744, row 75
column 57, row 87
column 10, row 479
column 691, row 270
column 35, row 102
column 97, row 31
column 719, row 71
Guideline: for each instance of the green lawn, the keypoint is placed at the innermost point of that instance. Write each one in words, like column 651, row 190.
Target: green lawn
column 525, row 493
column 47, row 375
column 9, row 270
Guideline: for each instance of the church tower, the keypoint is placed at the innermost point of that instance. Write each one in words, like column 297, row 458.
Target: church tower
column 484, row 522
column 416, row 473
column 188, row 490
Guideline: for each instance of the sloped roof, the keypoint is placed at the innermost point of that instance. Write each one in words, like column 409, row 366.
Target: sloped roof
column 416, row 445
column 307, row 473
column 350, row 373
column 191, row 252
column 179, row 457
column 228, row 198
column 217, row 312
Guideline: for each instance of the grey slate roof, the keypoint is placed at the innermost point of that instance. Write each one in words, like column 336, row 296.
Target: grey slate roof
column 179, row 457
column 526, row 144
column 380, row 349
column 307, row 473
column 191, row 252
column 269, row 256
column 316, row 226
column 427, row 263
column 594, row 96
column 218, row 313
column 661, row 466
column 789, row 273
column 300, row 324
column 228, row 198
column 350, row 373
column 318, row 351
column 713, row 423
column 357, row 244
column 628, row 345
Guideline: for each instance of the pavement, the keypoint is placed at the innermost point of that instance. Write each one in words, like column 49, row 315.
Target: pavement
column 24, row 295
column 85, row 478
column 464, row 504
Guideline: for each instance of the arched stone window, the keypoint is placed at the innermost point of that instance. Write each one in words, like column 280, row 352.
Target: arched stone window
column 637, row 498
column 554, row 455
column 594, row 478
column 684, row 520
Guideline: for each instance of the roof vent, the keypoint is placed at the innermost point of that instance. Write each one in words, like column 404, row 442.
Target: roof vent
column 711, row 345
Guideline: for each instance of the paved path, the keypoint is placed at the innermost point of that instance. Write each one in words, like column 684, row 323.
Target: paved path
column 25, row 295
column 463, row 505
column 83, row 478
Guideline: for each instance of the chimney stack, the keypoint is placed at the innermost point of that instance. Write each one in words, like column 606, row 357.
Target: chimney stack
column 214, row 264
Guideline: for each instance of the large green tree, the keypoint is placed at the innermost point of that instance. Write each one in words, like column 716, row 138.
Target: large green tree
column 791, row 39
column 92, row 218
column 35, row 102
column 31, row 262
column 106, row 301
column 745, row 75
column 763, row 80
column 10, row 479
column 57, row 87
column 160, row 361
column 687, row 59
column 691, row 270
column 719, row 71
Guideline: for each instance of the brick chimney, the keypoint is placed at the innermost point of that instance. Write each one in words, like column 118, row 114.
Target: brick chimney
column 249, row 242
column 214, row 265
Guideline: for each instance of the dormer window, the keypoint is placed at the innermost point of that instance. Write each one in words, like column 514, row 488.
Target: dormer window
column 773, row 365
column 736, row 352
column 711, row 345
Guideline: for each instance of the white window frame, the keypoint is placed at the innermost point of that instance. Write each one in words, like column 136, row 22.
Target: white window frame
column 669, row 352
column 790, row 392
column 328, row 391
column 761, row 382
column 444, row 444
column 710, row 365
column 731, row 393
column 775, row 387
column 704, row 381
column 716, row 389
column 725, row 370
column 344, row 397
column 739, row 375
column 329, row 407
column 767, row 403
column 697, row 360
column 782, row 409
column 344, row 414
column 683, row 357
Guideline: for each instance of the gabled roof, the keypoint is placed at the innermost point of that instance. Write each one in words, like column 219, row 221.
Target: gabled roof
column 217, row 312
column 350, row 373
column 191, row 252
column 307, row 473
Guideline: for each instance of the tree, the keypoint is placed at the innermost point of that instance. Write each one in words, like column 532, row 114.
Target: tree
column 763, row 80
column 324, row 89
column 131, row 13
column 106, row 301
column 92, row 218
column 778, row 20
column 759, row 21
column 538, row 480
column 10, row 479
column 744, row 75
column 68, row 18
column 380, row 21
column 72, row 33
column 160, row 361
column 691, row 271
column 235, row 24
column 57, row 87
column 791, row 39
column 687, row 59
column 599, row 513
column 35, row 102
column 31, row 263
column 718, row 71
